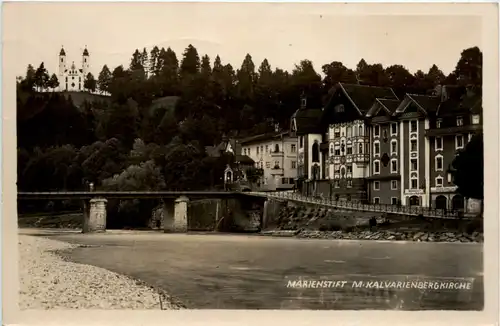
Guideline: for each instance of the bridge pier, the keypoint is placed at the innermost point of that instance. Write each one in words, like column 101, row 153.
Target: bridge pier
column 94, row 215
column 175, row 216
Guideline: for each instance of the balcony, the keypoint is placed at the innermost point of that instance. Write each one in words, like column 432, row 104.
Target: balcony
column 276, row 170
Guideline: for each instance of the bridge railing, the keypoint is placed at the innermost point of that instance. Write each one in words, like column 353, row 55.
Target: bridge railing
column 355, row 205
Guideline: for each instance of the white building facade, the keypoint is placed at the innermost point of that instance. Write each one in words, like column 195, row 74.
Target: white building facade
column 71, row 77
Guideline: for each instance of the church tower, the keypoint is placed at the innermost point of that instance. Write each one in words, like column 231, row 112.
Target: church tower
column 62, row 62
column 85, row 62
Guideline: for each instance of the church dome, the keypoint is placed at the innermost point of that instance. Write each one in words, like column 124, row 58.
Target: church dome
column 62, row 52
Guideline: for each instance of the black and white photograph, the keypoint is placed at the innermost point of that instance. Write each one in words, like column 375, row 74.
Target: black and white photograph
column 179, row 156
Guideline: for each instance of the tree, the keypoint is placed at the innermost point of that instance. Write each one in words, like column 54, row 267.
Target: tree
column 153, row 61
column 104, row 79
column 41, row 77
column 335, row 72
column 90, row 83
column 190, row 64
column 246, row 79
column 468, row 169
column 469, row 67
column 53, row 82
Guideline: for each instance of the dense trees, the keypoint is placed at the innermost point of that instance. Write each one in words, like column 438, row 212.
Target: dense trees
column 468, row 169
column 163, row 110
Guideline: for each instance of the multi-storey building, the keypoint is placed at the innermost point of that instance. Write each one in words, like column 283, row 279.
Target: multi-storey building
column 366, row 144
column 276, row 154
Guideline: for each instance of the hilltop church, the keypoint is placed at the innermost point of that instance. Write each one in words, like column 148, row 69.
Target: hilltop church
column 71, row 78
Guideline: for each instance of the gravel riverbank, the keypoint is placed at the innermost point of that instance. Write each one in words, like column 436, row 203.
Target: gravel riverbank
column 49, row 282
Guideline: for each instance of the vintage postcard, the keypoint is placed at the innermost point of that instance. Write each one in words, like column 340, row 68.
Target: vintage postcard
column 249, row 162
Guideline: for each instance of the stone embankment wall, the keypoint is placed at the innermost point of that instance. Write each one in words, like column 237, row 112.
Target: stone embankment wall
column 308, row 221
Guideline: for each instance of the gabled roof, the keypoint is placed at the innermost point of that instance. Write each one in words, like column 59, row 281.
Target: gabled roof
column 86, row 52
column 235, row 146
column 422, row 104
column 62, row 52
column 308, row 120
column 389, row 106
column 362, row 96
column 466, row 104
column 244, row 159
column 429, row 103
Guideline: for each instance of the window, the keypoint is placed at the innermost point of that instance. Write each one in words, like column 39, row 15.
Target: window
column 303, row 102
column 249, row 151
column 459, row 141
column 337, row 151
column 360, row 148
column 257, row 150
column 439, row 181
column 79, row 86
column 339, row 108
column 376, row 148
column 276, row 164
column 438, row 123
column 394, row 185
column 460, row 121
column 394, row 129
column 284, row 181
column 360, row 130
column 394, row 200
column 85, row 60
column 376, row 130
column 439, row 144
column 413, row 126
column 336, row 184
column 66, row 79
column 414, row 183
column 376, row 167
column 349, row 169
column 331, row 149
column 294, row 165
column 414, row 165
column 276, row 148
column 268, row 165
column 376, row 185
column 337, row 134
column 349, row 132
column 349, row 149
column 413, row 145
column 337, row 168
column 439, row 163
column 62, row 60
column 475, row 119
column 376, row 200
column 394, row 166
column 267, row 148
column 262, row 149
column 301, row 141
column 394, row 146
column 293, row 148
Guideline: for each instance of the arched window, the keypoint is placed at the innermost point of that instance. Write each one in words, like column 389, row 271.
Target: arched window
column 315, row 152
column 276, row 148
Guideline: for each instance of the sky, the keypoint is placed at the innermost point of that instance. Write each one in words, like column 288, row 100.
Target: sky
column 282, row 33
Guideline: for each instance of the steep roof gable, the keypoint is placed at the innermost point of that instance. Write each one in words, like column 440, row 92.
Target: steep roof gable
column 362, row 96
column 384, row 106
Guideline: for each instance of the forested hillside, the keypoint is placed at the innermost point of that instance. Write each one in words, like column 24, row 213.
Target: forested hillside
column 163, row 109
